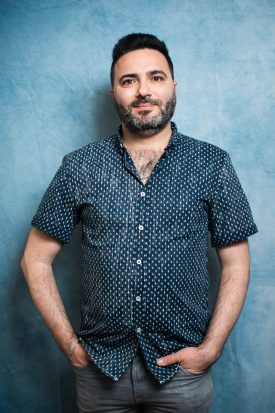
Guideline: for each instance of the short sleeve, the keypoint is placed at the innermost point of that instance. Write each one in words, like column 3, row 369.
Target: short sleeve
column 230, row 217
column 57, row 214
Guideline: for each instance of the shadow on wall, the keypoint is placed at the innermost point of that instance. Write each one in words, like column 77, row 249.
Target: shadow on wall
column 104, row 117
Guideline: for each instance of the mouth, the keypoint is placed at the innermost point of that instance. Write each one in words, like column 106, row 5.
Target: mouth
column 144, row 106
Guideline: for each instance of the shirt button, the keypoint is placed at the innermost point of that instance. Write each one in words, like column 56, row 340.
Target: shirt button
column 138, row 330
column 142, row 194
column 140, row 227
column 138, row 298
column 139, row 262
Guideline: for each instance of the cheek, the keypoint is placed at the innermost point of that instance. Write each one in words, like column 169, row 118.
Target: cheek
column 126, row 97
column 167, row 94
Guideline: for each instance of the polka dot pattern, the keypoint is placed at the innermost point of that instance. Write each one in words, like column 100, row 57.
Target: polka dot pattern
column 145, row 247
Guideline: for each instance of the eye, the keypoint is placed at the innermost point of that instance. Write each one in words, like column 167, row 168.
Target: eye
column 126, row 82
column 157, row 78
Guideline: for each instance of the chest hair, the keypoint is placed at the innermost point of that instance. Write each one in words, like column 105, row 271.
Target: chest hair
column 145, row 161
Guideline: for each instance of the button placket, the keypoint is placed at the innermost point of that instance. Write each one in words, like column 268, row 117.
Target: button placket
column 138, row 293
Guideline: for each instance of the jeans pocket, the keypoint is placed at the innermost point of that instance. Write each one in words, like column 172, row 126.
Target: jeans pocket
column 82, row 367
column 190, row 373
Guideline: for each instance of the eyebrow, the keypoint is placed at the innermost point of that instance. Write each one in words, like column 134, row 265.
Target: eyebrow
column 135, row 75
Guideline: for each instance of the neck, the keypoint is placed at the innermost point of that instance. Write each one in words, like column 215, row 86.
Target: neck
column 158, row 141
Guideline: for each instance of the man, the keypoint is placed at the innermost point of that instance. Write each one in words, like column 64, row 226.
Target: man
column 146, row 198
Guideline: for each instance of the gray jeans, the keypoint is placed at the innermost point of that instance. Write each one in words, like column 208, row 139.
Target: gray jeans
column 138, row 391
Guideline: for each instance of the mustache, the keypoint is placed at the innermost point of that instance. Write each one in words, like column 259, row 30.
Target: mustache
column 138, row 101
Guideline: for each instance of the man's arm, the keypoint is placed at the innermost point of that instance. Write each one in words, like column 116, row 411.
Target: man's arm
column 39, row 254
column 234, row 261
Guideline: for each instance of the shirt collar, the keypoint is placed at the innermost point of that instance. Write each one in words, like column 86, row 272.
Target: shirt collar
column 172, row 142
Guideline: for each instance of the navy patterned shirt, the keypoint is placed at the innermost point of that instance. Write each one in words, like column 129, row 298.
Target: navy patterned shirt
column 145, row 247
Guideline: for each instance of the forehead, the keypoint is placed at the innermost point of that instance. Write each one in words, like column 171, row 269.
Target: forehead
column 141, row 61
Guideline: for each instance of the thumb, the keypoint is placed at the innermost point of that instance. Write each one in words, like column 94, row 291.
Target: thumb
column 167, row 360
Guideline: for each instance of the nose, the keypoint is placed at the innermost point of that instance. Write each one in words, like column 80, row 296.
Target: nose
column 143, row 89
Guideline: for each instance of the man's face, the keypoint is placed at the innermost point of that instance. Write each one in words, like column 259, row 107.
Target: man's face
column 144, row 91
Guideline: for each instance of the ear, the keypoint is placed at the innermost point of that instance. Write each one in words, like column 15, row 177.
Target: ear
column 111, row 90
column 175, row 83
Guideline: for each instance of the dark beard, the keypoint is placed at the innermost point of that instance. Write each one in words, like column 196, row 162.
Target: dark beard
column 141, row 125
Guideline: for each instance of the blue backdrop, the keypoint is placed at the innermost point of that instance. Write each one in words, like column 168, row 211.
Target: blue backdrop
column 55, row 60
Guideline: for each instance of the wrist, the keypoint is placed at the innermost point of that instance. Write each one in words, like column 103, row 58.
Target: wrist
column 72, row 348
column 79, row 356
column 211, row 353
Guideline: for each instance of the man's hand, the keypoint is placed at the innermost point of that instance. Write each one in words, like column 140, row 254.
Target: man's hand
column 194, row 359
column 79, row 357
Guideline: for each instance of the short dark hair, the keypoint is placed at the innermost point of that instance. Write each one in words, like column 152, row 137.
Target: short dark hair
column 135, row 41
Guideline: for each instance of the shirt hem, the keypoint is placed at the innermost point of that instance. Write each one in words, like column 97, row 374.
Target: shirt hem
column 115, row 378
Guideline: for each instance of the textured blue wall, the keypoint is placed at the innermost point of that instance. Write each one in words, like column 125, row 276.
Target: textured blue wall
column 55, row 59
